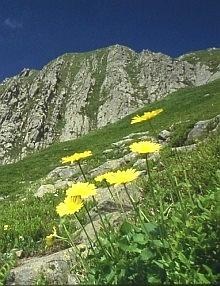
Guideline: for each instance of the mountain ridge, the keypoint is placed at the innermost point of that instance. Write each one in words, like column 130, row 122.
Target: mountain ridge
column 79, row 92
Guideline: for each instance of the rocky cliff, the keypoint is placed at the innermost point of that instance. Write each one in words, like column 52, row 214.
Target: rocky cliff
column 79, row 92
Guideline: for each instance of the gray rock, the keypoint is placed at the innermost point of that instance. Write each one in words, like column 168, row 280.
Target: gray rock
column 114, row 218
column 77, row 93
column 44, row 189
column 140, row 164
column 108, row 151
column 62, row 185
column 185, row 148
column 110, row 165
column 56, row 268
column 136, row 134
column 164, row 135
column 122, row 143
column 202, row 128
column 131, row 157
column 64, row 173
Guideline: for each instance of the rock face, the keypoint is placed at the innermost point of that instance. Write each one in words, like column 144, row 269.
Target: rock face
column 77, row 93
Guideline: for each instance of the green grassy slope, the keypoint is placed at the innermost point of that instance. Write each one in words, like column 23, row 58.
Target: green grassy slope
column 181, row 109
column 210, row 58
column 30, row 219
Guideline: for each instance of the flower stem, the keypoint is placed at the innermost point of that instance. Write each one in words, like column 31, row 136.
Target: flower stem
column 74, row 245
column 86, row 233
column 113, row 197
column 84, row 176
column 95, row 231
column 150, row 180
column 90, row 218
column 102, row 222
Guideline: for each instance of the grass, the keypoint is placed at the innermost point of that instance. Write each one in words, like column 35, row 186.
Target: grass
column 211, row 58
column 191, row 180
column 182, row 109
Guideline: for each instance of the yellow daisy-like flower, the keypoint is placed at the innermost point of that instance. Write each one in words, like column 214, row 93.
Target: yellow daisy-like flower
column 103, row 177
column 70, row 205
column 146, row 116
column 122, row 177
column 84, row 190
column 144, row 147
column 50, row 238
column 76, row 157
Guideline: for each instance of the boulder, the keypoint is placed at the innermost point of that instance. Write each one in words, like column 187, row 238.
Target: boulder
column 54, row 268
column 202, row 129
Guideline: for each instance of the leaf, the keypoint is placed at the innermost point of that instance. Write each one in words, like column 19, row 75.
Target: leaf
column 140, row 238
column 134, row 248
column 203, row 279
column 129, row 248
column 127, row 228
column 154, row 279
column 149, row 227
column 160, row 264
column 146, row 254
column 183, row 259
column 157, row 242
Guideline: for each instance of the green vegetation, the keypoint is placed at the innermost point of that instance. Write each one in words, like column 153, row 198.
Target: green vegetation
column 171, row 236
column 211, row 58
column 182, row 109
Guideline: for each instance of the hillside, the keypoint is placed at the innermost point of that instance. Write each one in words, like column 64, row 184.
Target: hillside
column 209, row 57
column 187, row 106
column 159, row 227
column 77, row 93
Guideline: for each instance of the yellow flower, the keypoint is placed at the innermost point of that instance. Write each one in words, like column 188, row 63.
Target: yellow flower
column 84, row 190
column 146, row 116
column 103, row 177
column 122, row 177
column 50, row 238
column 144, row 147
column 6, row 226
column 70, row 205
column 76, row 157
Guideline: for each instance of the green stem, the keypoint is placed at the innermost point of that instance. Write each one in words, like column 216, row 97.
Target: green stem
column 84, row 176
column 150, row 181
column 95, row 232
column 113, row 197
column 90, row 218
column 102, row 222
column 73, row 245
column 86, row 233
column 132, row 203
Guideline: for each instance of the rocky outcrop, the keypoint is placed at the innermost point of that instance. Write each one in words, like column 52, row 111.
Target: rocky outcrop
column 77, row 93
column 203, row 128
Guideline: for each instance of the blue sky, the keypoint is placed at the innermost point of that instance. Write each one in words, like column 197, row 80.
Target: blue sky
column 33, row 32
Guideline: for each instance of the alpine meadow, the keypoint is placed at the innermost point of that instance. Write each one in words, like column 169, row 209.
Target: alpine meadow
column 110, row 170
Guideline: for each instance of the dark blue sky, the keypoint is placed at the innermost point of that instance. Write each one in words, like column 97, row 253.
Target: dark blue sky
column 33, row 32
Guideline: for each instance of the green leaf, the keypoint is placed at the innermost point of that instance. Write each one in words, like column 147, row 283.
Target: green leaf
column 157, row 242
column 140, row 238
column 146, row 254
column 127, row 228
column 183, row 259
column 154, row 279
column 202, row 279
column 129, row 248
column 134, row 248
column 149, row 227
